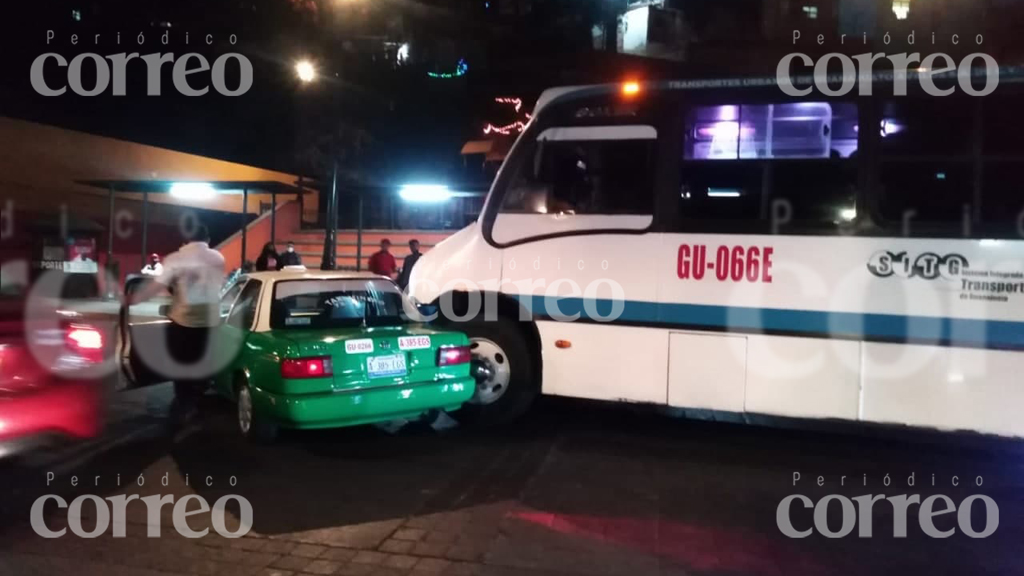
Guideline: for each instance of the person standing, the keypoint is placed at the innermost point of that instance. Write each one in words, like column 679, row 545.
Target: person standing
column 289, row 258
column 410, row 261
column 267, row 259
column 382, row 262
column 154, row 268
column 194, row 276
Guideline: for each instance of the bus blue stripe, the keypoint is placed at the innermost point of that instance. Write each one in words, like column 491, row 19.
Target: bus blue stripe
column 884, row 327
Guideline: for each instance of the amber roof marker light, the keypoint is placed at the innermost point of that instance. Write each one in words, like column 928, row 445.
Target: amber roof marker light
column 630, row 89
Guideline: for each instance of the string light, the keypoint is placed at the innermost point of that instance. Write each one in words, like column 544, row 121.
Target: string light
column 505, row 130
column 518, row 103
column 460, row 70
column 517, row 126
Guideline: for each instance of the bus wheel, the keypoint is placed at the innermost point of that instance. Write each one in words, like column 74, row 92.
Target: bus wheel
column 505, row 373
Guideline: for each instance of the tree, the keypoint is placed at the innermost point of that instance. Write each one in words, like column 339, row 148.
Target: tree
column 332, row 151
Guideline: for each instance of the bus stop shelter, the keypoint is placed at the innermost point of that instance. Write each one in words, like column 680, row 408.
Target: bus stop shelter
column 217, row 187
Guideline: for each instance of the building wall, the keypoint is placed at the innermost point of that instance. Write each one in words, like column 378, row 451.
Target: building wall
column 259, row 233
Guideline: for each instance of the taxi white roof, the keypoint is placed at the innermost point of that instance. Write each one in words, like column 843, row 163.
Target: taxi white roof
column 311, row 275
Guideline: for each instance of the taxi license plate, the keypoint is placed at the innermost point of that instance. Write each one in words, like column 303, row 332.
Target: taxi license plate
column 385, row 366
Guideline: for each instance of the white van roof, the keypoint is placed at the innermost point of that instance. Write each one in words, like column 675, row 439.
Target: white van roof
column 551, row 93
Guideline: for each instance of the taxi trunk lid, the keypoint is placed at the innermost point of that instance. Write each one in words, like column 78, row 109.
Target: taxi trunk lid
column 379, row 356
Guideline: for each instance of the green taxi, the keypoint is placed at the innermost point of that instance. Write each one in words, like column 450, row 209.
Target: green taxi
column 311, row 349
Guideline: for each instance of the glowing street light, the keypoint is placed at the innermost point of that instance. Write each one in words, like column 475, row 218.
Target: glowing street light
column 425, row 193
column 193, row 190
column 305, row 70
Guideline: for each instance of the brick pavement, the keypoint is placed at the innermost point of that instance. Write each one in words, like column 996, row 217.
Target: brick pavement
column 467, row 521
column 591, row 494
column 464, row 543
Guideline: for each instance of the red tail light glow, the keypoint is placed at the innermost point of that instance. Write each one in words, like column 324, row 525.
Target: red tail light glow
column 84, row 340
column 299, row 368
column 453, row 355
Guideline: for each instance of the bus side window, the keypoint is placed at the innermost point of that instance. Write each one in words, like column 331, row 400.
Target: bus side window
column 816, row 195
column 926, row 169
column 1002, row 202
column 751, row 163
column 721, row 190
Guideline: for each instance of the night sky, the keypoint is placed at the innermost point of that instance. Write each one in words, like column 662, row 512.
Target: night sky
column 387, row 122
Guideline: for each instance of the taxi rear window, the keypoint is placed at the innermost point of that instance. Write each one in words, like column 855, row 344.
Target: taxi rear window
column 330, row 303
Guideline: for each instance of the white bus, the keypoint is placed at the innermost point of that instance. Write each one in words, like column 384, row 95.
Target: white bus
column 731, row 249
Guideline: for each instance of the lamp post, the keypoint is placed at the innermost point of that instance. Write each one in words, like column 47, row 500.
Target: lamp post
column 330, row 256
column 306, row 72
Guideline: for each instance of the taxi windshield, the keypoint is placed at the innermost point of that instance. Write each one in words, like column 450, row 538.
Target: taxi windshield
column 330, row 303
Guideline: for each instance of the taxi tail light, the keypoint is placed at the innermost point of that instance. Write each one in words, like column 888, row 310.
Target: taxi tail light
column 453, row 355
column 299, row 368
column 85, row 341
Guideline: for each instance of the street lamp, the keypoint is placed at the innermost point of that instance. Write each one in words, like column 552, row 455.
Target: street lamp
column 193, row 190
column 425, row 193
column 305, row 70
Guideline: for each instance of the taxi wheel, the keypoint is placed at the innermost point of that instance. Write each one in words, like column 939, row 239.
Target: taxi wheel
column 250, row 424
column 505, row 373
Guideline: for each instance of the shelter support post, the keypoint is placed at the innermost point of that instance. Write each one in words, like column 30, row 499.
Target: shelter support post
column 245, row 214
column 145, row 227
column 273, row 219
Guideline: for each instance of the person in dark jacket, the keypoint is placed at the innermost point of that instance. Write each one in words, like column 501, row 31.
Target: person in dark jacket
column 289, row 257
column 268, row 258
column 410, row 261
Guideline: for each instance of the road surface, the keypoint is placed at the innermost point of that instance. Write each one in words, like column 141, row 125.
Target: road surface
column 576, row 489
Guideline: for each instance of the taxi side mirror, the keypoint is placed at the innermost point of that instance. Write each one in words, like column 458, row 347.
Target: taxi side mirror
column 426, row 310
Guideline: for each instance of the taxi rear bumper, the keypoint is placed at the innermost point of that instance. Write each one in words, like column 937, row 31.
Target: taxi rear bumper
column 362, row 406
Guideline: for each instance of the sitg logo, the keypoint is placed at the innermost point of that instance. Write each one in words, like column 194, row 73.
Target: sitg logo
column 858, row 513
column 928, row 266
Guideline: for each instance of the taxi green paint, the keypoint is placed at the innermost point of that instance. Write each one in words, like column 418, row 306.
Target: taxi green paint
column 349, row 396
